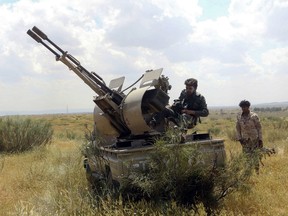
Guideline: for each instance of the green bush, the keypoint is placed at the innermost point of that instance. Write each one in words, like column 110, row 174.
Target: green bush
column 176, row 174
column 21, row 134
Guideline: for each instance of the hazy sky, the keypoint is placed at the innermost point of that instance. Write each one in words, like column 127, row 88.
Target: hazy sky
column 236, row 49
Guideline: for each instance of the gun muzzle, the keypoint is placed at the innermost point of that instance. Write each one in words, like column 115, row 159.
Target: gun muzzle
column 34, row 36
column 40, row 33
column 39, row 40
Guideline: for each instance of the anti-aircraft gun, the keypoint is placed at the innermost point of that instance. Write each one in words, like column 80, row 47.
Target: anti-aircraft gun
column 122, row 120
column 117, row 107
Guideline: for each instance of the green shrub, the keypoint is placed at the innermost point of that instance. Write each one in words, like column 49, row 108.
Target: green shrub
column 176, row 174
column 21, row 134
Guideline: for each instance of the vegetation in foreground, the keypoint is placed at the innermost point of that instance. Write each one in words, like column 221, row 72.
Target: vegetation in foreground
column 18, row 134
column 50, row 180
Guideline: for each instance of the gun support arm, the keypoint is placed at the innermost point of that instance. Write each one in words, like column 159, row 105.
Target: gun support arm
column 82, row 75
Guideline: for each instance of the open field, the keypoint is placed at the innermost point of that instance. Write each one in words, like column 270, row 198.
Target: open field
column 51, row 180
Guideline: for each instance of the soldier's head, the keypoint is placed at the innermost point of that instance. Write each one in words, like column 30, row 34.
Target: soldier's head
column 191, row 85
column 245, row 105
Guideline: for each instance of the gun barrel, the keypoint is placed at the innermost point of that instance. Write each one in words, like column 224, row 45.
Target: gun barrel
column 91, row 78
column 70, row 57
column 45, row 37
column 36, row 38
column 40, row 33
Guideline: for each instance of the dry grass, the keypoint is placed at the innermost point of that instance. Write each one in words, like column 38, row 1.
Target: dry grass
column 38, row 174
column 71, row 126
column 51, row 180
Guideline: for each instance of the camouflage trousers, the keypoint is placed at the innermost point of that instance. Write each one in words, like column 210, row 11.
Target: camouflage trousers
column 249, row 147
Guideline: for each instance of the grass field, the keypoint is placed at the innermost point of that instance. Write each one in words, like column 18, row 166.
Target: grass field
column 51, row 180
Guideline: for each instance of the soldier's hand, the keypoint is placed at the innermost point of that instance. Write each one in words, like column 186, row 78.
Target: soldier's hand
column 189, row 112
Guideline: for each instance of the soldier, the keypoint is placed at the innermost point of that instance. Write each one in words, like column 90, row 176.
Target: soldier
column 249, row 131
column 186, row 110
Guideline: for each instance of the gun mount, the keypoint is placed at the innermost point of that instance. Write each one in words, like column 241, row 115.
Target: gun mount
column 121, row 121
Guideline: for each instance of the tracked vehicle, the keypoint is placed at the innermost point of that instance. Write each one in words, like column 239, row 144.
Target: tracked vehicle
column 123, row 137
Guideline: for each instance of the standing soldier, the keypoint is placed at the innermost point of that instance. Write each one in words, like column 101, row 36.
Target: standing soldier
column 249, row 131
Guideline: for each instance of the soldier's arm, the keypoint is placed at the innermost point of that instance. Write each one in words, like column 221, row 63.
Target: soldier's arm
column 238, row 130
column 258, row 126
column 203, row 111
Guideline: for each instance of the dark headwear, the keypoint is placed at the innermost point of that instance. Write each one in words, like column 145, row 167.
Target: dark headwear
column 191, row 82
column 244, row 103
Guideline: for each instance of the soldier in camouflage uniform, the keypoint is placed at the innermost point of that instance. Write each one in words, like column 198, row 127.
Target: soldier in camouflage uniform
column 187, row 109
column 249, row 130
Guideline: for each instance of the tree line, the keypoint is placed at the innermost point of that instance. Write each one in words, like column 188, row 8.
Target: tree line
column 270, row 109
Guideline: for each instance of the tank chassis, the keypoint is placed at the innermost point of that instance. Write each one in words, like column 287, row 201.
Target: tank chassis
column 122, row 133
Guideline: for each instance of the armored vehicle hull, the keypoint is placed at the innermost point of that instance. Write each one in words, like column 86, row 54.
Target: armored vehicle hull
column 111, row 164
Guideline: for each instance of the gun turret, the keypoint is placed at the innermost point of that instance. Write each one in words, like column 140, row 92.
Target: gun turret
column 124, row 115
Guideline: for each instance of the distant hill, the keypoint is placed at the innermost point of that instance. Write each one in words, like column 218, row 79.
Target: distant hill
column 262, row 105
column 273, row 104
column 43, row 112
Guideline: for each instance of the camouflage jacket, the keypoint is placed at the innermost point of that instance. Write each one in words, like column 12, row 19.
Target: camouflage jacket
column 195, row 102
column 248, row 127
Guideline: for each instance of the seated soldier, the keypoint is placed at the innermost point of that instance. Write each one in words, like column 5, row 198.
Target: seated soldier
column 187, row 110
